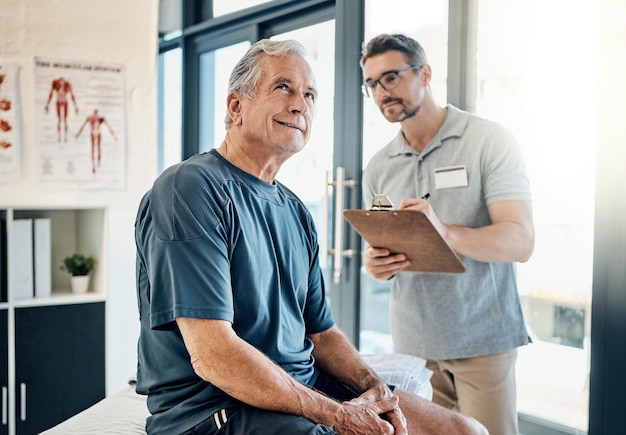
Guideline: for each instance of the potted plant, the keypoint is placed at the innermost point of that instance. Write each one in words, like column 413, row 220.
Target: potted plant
column 79, row 266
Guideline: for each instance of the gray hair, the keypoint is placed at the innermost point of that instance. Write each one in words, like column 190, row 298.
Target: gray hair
column 247, row 72
column 414, row 52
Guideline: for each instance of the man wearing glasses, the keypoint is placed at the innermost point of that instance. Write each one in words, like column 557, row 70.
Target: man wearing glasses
column 468, row 326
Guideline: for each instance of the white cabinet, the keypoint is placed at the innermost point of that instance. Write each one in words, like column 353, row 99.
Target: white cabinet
column 52, row 346
column 71, row 231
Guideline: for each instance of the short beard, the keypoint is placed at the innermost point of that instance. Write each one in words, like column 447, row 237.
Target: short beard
column 406, row 114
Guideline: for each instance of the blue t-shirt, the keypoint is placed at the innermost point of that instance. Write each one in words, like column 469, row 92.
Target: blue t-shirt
column 214, row 242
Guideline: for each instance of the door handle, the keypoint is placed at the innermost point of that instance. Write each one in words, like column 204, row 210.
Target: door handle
column 323, row 237
column 340, row 185
column 5, row 413
column 23, row 401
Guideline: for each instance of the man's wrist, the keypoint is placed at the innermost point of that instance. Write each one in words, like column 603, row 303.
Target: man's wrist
column 325, row 411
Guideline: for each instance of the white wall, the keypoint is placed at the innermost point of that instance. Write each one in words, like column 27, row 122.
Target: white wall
column 110, row 31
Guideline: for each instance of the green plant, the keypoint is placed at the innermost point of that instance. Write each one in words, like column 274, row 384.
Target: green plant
column 78, row 264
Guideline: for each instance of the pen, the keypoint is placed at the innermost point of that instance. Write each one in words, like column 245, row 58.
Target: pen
column 426, row 196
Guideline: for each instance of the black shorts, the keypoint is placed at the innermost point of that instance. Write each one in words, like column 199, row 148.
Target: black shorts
column 248, row 420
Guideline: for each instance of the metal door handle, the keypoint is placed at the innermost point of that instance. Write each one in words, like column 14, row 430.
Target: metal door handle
column 338, row 258
column 339, row 253
column 5, row 413
column 323, row 237
column 23, row 402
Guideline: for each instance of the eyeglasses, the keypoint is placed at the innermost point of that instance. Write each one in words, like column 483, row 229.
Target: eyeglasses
column 387, row 81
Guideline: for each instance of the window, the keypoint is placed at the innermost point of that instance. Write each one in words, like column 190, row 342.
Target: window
column 536, row 74
column 170, row 110
column 215, row 69
column 223, row 7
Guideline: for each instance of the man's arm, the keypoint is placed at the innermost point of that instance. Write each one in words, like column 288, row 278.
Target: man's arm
column 109, row 127
column 80, row 130
column 510, row 236
column 71, row 92
column 49, row 97
column 220, row 357
column 335, row 355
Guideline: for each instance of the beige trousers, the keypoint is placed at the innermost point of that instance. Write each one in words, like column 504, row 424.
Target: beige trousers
column 482, row 387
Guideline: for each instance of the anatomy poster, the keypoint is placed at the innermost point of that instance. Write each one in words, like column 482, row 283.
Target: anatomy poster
column 79, row 121
column 10, row 144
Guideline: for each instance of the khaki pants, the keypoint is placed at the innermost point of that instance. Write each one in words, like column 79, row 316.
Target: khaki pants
column 482, row 387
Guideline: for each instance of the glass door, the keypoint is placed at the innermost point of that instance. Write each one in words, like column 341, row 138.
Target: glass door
column 529, row 79
column 430, row 29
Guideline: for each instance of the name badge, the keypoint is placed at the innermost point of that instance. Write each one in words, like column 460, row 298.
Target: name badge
column 451, row 176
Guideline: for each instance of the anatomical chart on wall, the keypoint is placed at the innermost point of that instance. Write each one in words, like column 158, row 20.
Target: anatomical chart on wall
column 10, row 144
column 79, row 121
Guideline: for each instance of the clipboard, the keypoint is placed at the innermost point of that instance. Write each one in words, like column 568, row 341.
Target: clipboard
column 409, row 232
